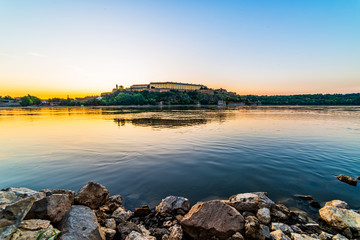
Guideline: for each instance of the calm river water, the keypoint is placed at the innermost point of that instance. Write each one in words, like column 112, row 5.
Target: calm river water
column 146, row 154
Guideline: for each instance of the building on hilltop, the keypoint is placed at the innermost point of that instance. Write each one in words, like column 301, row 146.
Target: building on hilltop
column 139, row 87
column 175, row 86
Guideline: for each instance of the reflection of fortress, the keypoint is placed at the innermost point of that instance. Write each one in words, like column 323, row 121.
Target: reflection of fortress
column 160, row 123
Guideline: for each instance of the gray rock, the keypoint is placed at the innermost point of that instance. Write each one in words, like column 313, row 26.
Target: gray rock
column 212, row 218
column 92, row 195
column 250, row 201
column 125, row 228
column 263, row 214
column 80, row 223
column 281, row 226
column 253, row 229
column 173, row 203
column 121, row 215
column 52, row 207
column 16, row 203
column 13, row 194
column 110, row 223
column 278, row 235
column 31, row 229
column 266, row 231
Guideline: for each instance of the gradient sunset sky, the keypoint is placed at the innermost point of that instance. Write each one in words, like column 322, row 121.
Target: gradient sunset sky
column 84, row 47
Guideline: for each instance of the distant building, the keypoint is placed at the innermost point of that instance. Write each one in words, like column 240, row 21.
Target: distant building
column 8, row 103
column 139, row 87
column 175, row 86
column 86, row 98
column 159, row 90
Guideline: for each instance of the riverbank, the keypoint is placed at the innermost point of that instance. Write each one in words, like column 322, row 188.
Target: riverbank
column 92, row 213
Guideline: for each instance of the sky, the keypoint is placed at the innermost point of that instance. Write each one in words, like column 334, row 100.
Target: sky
column 85, row 47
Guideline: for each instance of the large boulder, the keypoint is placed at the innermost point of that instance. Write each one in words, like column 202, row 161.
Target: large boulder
column 340, row 218
column 80, row 223
column 15, row 204
column 49, row 192
column 212, row 218
column 250, row 201
column 92, row 195
column 52, row 207
column 31, row 229
column 263, row 214
column 120, row 215
column 171, row 204
column 114, row 202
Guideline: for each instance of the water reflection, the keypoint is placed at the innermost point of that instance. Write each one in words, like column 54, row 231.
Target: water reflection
column 200, row 153
column 160, row 123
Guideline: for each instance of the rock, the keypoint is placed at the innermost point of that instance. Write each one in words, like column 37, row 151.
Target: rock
column 296, row 229
column 250, row 201
column 141, row 212
column 325, row 236
column 110, row 223
column 80, row 223
column 247, row 214
column 138, row 236
column 13, row 194
column 237, row 236
column 159, row 232
column 280, row 211
column 297, row 236
column 314, row 204
column 347, row 233
column 279, row 235
column 167, row 224
column 109, row 233
column 315, row 236
column 266, row 231
column 121, row 215
column 31, row 229
column 253, row 229
column 263, row 214
column 340, row 218
column 52, row 207
column 176, row 232
column 212, row 218
column 337, row 204
column 281, row 226
column 114, row 202
column 305, row 197
column 92, row 195
column 125, row 228
column 173, row 203
column 15, row 204
column 339, row 237
column 71, row 194
column 347, row 179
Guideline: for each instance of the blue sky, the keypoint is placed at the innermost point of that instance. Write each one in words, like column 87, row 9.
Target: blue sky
column 252, row 47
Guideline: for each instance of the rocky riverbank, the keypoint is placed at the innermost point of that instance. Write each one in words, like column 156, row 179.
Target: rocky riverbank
column 93, row 214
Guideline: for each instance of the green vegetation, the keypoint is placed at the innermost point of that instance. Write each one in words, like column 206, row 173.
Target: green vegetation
column 308, row 99
column 53, row 236
column 29, row 101
column 174, row 97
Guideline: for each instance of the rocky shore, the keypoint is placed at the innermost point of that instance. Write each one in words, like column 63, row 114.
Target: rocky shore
column 93, row 214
